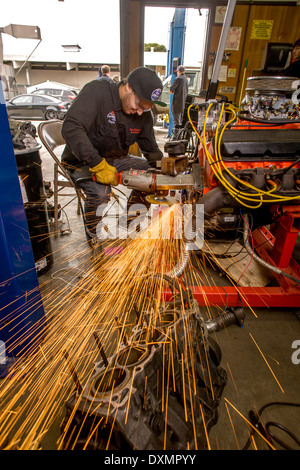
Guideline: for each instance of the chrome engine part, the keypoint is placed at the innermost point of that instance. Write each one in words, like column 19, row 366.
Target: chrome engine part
column 148, row 181
column 210, row 117
column 272, row 98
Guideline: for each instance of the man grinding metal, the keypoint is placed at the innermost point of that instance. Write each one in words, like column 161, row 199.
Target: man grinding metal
column 102, row 123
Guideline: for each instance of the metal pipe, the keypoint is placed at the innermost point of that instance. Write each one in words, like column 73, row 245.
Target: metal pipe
column 230, row 317
column 185, row 254
column 220, row 52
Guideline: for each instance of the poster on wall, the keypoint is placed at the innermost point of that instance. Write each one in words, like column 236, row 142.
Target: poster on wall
column 233, row 38
column 220, row 14
column 261, row 29
column 222, row 73
column 227, row 90
column 231, row 71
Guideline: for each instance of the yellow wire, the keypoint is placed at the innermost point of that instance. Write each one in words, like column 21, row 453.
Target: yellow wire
column 232, row 191
column 228, row 186
column 219, row 158
column 275, row 197
column 238, row 195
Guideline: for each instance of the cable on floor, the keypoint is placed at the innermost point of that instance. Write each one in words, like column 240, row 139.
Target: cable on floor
column 255, row 419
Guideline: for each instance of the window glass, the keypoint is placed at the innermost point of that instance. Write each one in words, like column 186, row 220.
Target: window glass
column 39, row 100
column 23, row 100
column 54, row 92
column 68, row 93
column 191, row 78
column 52, row 98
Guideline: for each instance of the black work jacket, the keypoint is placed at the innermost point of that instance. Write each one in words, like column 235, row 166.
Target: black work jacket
column 179, row 88
column 293, row 69
column 95, row 127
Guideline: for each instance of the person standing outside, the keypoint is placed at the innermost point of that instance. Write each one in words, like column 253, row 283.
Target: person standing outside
column 105, row 73
column 179, row 90
column 103, row 122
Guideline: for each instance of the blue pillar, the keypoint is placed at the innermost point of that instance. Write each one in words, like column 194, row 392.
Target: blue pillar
column 22, row 316
column 176, row 50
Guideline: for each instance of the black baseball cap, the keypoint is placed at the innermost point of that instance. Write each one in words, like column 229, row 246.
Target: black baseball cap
column 297, row 43
column 146, row 84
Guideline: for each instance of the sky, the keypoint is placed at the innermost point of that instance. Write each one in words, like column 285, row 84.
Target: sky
column 195, row 31
column 96, row 28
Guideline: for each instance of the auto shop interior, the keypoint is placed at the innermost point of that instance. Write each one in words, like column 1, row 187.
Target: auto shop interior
column 201, row 350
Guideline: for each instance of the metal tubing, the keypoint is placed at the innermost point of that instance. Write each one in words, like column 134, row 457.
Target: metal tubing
column 213, row 86
column 223, row 39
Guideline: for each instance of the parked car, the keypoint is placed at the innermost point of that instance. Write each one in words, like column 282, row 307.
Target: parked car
column 36, row 107
column 65, row 95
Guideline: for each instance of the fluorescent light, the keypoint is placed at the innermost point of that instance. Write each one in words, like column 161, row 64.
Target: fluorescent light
column 71, row 47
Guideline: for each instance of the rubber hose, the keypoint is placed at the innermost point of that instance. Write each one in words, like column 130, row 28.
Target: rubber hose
column 251, row 252
column 265, row 121
column 261, row 261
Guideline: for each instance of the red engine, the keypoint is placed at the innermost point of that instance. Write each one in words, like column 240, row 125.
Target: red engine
column 254, row 159
column 250, row 163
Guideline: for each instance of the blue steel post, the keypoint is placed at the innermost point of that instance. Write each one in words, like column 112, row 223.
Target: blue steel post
column 176, row 50
column 22, row 316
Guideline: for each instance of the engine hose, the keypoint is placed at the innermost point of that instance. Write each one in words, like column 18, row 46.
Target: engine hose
column 181, row 265
column 282, row 122
column 184, row 254
column 257, row 258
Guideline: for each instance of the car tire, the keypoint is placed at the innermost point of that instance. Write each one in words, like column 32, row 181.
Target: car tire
column 50, row 114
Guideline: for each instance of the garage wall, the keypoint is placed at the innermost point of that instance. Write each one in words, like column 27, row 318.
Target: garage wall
column 280, row 22
column 70, row 77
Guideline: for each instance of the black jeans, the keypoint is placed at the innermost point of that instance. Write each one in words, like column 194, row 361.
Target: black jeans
column 99, row 194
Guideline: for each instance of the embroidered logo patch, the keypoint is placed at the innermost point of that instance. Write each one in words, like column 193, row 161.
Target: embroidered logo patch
column 111, row 117
column 156, row 94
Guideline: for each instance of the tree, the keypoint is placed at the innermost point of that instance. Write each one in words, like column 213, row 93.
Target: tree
column 156, row 47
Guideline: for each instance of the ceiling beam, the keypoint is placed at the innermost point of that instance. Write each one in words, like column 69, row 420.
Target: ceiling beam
column 132, row 23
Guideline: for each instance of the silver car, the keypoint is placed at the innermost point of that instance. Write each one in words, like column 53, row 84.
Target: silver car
column 64, row 95
column 41, row 107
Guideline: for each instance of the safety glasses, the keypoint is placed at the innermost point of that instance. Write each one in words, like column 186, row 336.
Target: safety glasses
column 140, row 105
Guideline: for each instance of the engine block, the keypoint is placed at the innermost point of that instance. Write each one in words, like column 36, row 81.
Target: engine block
column 159, row 391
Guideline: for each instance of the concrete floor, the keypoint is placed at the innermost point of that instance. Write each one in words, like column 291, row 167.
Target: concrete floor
column 252, row 382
